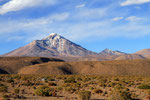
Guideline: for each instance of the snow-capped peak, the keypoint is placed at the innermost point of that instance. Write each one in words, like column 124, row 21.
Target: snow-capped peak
column 62, row 45
column 53, row 36
column 107, row 50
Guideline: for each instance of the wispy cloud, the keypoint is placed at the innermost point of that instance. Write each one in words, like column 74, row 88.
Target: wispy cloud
column 15, row 38
column 79, row 24
column 117, row 18
column 130, row 18
column 132, row 2
column 45, row 20
column 32, row 25
column 15, row 5
column 133, row 18
column 81, row 5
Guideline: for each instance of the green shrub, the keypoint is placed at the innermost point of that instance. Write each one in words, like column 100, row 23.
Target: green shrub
column 70, row 80
column 119, row 87
column 5, row 96
column 144, row 86
column 148, row 91
column 70, row 89
column 52, row 84
column 120, row 95
column 44, row 91
column 16, row 90
column 85, row 95
column 98, row 91
column 111, row 84
column 116, row 79
column 3, row 88
column 9, row 80
column 86, row 79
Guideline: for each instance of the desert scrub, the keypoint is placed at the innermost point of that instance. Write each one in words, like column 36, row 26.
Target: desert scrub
column 70, row 80
column 76, row 85
column 16, row 90
column 86, row 79
column 98, row 91
column 116, row 79
column 85, row 95
column 148, row 91
column 27, row 83
column 144, row 86
column 59, row 88
column 111, row 84
column 3, row 88
column 119, row 87
column 44, row 91
column 5, row 96
column 120, row 95
column 9, row 80
column 52, row 84
column 70, row 89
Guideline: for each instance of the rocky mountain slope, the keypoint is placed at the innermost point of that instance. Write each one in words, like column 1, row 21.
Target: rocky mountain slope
column 57, row 46
column 112, row 53
column 53, row 45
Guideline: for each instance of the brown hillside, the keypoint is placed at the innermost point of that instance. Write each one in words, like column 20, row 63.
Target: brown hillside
column 13, row 64
column 3, row 71
column 144, row 52
column 124, row 67
column 130, row 57
column 48, row 68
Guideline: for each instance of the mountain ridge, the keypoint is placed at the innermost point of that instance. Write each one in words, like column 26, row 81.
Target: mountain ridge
column 111, row 52
column 57, row 46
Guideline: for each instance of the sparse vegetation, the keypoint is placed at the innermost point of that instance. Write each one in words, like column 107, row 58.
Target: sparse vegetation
column 144, row 86
column 85, row 95
column 120, row 95
column 74, row 87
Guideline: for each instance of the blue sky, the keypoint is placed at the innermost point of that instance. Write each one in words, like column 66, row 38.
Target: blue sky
column 94, row 24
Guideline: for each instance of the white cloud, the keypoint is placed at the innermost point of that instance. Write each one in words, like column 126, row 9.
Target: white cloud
column 91, row 13
column 133, row 18
column 29, row 25
column 83, row 24
column 132, row 2
column 80, row 6
column 46, row 20
column 39, row 28
column 104, row 29
column 130, row 18
column 15, row 5
column 117, row 18
column 14, row 38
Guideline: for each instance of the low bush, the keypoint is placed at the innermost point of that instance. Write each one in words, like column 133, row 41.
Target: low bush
column 98, row 91
column 70, row 80
column 5, row 96
column 9, row 80
column 85, row 95
column 16, row 90
column 120, row 95
column 44, row 91
column 3, row 88
column 144, row 86
column 52, row 84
